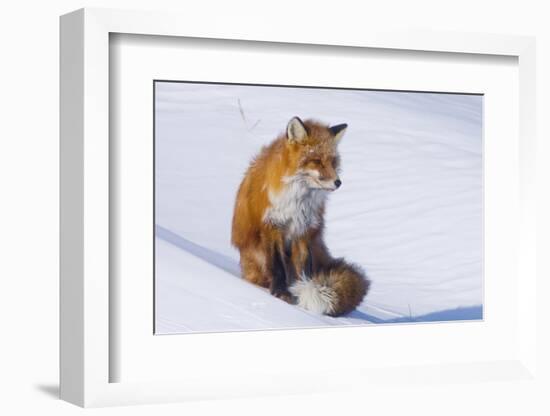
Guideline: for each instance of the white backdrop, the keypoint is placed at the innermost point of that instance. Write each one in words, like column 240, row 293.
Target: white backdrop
column 29, row 33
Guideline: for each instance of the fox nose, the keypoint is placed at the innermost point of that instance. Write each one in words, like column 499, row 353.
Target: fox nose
column 337, row 183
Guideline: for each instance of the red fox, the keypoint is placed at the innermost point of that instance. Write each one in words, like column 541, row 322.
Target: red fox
column 278, row 221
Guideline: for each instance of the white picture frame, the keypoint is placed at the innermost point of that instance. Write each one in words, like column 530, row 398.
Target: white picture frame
column 85, row 222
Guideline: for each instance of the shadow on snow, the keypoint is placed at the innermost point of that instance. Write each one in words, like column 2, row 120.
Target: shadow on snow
column 210, row 256
column 466, row 313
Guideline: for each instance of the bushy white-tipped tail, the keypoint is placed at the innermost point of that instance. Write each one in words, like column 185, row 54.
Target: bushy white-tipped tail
column 335, row 290
column 313, row 296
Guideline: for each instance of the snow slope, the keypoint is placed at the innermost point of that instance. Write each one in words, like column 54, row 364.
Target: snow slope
column 409, row 210
column 212, row 298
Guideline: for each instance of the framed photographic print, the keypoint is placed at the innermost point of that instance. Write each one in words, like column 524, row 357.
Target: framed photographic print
column 422, row 228
column 300, row 200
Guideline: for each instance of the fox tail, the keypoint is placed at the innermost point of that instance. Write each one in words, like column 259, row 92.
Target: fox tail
column 335, row 290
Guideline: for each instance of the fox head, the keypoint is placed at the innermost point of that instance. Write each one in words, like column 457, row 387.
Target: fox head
column 313, row 153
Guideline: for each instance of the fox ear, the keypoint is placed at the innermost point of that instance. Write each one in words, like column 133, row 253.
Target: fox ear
column 296, row 131
column 338, row 131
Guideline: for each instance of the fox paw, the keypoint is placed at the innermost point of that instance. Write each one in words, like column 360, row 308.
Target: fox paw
column 284, row 295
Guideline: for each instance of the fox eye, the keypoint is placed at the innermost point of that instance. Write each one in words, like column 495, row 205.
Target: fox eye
column 316, row 161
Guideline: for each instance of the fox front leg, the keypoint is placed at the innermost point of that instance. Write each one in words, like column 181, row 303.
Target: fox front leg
column 308, row 266
column 283, row 272
column 302, row 259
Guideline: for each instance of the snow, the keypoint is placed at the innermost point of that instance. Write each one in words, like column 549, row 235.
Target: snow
column 409, row 210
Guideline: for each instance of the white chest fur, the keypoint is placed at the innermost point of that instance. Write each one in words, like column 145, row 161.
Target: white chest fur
column 296, row 208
